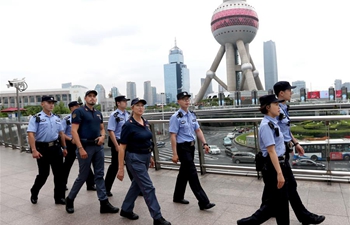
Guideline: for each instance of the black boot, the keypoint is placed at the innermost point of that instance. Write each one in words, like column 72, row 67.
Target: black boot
column 106, row 207
column 161, row 221
column 247, row 221
column 69, row 205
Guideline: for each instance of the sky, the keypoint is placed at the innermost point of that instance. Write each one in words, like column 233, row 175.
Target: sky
column 110, row 42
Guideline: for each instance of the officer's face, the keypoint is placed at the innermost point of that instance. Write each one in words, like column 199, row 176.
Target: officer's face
column 138, row 108
column 122, row 104
column 287, row 94
column 74, row 108
column 184, row 102
column 273, row 109
column 91, row 99
column 47, row 106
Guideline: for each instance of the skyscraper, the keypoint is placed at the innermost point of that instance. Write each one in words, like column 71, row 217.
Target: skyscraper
column 130, row 90
column 209, row 89
column 114, row 92
column 154, row 95
column 147, row 88
column 101, row 93
column 176, row 75
column 337, row 84
column 270, row 65
column 300, row 84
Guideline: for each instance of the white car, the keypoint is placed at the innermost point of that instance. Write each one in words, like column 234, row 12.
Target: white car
column 230, row 135
column 214, row 150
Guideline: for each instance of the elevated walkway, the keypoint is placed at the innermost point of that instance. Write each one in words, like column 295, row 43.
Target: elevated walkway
column 235, row 197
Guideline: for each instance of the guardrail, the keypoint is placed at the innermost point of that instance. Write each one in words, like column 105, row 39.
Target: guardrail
column 13, row 134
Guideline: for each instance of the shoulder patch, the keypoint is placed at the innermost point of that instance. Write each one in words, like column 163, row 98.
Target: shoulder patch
column 74, row 115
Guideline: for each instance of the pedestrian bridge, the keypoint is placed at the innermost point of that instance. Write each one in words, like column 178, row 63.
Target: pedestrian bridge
column 235, row 197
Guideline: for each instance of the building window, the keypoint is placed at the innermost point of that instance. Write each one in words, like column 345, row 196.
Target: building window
column 38, row 98
column 64, row 97
column 58, row 97
column 31, row 99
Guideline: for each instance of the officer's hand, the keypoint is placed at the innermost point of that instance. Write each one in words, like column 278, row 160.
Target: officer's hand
column 175, row 159
column 300, row 150
column 36, row 154
column 120, row 174
column 65, row 152
column 83, row 153
column 100, row 140
column 280, row 180
column 73, row 141
column 207, row 148
column 152, row 164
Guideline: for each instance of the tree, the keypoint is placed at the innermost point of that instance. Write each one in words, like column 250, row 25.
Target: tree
column 79, row 100
column 61, row 109
column 31, row 110
column 98, row 107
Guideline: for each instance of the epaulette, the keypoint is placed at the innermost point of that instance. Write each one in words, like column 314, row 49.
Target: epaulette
column 67, row 120
column 179, row 115
column 117, row 119
column 277, row 131
column 193, row 113
column 37, row 117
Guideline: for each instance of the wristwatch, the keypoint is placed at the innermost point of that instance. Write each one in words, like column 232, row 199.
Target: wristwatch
column 205, row 144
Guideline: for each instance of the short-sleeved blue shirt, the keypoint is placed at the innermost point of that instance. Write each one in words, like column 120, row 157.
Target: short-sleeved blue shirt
column 47, row 129
column 89, row 122
column 183, row 126
column 284, row 123
column 67, row 125
column 268, row 137
column 136, row 136
column 116, row 121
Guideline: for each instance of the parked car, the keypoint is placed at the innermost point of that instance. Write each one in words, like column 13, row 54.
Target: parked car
column 244, row 157
column 230, row 135
column 230, row 150
column 160, row 144
column 227, row 141
column 214, row 150
column 308, row 164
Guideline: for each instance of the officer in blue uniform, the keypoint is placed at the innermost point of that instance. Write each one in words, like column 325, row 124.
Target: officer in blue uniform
column 44, row 130
column 136, row 145
column 115, row 124
column 88, row 133
column 275, row 170
column 71, row 147
column 283, row 91
column 183, row 127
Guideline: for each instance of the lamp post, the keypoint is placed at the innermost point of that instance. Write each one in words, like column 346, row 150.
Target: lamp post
column 20, row 86
column 162, row 95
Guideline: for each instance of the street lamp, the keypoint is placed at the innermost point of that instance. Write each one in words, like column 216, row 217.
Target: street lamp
column 162, row 96
column 21, row 86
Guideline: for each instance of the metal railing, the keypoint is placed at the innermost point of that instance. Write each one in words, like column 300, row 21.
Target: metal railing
column 13, row 134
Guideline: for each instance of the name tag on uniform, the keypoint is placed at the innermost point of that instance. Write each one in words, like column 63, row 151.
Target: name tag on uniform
column 42, row 120
column 183, row 121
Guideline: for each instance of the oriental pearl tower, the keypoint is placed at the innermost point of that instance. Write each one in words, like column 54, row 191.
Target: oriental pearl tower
column 234, row 25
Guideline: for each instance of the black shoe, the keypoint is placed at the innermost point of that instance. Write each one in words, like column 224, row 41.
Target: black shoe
column 246, row 221
column 109, row 194
column 314, row 219
column 91, row 188
column 69, row 205
column 140, row 194
column 161, row 221
column 34, row 199
column 106, row 207
column 207, row 206
column 182, row 201
column 60, row 201
column 129, row 215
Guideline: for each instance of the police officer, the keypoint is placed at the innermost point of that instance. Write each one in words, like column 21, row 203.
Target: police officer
column 115, row 123
column 182, row 127
column 44, row 131
column 71, row 147
column 136, row 143
column 275, row 167
column 88, row 133
column 283, row 91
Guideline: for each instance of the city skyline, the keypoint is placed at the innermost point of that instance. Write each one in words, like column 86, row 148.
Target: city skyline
column 110, row 50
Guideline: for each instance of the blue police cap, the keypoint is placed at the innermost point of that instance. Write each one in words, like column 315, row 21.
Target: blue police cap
column 137, row 100
column 268, row 99
column 182, row 95
column 282, row 86
column 121, row 98
column 74, row 103
column 90, row 91
column 46, row 98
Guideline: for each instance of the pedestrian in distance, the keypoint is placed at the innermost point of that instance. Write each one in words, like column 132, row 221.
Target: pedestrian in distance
column 71, row 148
column 136, row 147
column 275, row 169
column 45, row 136
column 88, row 133
column 183, row 127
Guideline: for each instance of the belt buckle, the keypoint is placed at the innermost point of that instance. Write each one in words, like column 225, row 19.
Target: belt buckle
column 51, row 144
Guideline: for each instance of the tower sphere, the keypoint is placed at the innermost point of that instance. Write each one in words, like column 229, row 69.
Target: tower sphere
column 234, row 20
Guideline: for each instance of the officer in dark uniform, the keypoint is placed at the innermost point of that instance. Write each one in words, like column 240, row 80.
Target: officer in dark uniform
column 136, row 143
column 71, row 148
column 44, row 130
column 275, row 168
column 283, row 91
column 183, row 127
column 115, row 123
column 88, row 133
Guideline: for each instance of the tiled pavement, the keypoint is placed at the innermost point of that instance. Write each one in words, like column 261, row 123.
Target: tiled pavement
column 235, row 197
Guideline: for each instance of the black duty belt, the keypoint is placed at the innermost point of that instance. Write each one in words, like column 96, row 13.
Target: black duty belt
column 89, row 142
column 46, row 144
column 281, row 159
column 187, row 143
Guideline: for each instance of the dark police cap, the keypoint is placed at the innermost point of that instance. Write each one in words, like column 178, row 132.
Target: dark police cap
column 282, row 86
column 74, row 103
column 46, row 98
column 137, row 100
column 90, row 91
column 182, row 95
column 121, row 98
column 268, row 99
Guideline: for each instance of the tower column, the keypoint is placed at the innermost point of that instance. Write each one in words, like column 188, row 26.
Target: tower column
column 230, row 67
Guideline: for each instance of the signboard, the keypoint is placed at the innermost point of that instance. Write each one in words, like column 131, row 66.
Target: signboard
column 313, row 95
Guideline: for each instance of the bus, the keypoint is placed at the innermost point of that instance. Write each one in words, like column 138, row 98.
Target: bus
column 338, row 149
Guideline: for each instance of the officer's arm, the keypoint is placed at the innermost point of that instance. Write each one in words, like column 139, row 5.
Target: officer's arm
column 102, row 132
column 200, row 135
column 75, row 135
column 173, row 143
column 31, row 139
column 121, row 155
column 113, row 138
column 275, row 162
column 63, row 139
